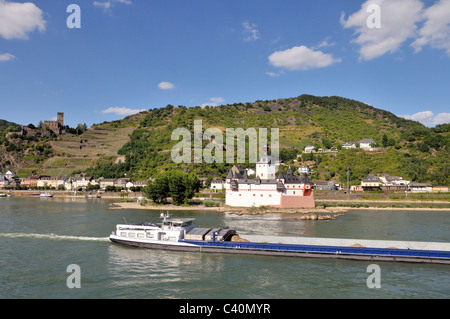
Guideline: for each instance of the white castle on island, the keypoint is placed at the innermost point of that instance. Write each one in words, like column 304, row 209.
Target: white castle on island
column 283, row 191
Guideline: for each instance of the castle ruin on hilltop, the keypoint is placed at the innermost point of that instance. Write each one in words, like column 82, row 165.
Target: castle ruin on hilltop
column 57, row 127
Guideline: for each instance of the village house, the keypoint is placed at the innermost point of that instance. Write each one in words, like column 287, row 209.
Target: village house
column 324, row 186
column 389, row 183
column 393, row 180
column 52, row 182
column 309, row 149
column 31, row 181
column 105, row 182
column 121, row 182
column 68, row 185
column 348, row 145
column 14, row 182
column 81, row 181
column 371, row 183
column 4, row 182
column 113, row 182
column 10, row 175
column 393, row 183
column 367, row 144
column 43, row 181
column 440, row 189
column 61, row 182
column 9, row 179
column 217, row 185
column 131, row 184
column 420, row 188
column 304, row 169
column 356, row 188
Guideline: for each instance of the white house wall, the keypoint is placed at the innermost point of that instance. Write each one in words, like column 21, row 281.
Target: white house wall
column 253, row 195
column 254, row 198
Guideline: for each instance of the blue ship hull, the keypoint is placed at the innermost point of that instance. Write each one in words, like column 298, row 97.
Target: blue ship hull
column 354, row 253
column 305, row 251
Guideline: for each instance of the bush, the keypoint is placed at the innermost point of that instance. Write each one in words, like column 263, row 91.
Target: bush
column 211, row 203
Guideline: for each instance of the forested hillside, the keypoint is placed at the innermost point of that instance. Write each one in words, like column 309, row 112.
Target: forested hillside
column 17, row 151
column 140, row 145
column 407, row 148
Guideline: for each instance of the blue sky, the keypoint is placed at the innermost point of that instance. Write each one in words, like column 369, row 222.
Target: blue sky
column 132, row 55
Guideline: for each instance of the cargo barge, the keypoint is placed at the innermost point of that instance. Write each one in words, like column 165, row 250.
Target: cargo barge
column 181, row 234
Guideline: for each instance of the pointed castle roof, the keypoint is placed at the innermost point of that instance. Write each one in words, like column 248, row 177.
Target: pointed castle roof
column 237, row 172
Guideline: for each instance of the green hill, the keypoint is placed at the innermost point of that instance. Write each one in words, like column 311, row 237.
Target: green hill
column 414, row 151
column 143, row 141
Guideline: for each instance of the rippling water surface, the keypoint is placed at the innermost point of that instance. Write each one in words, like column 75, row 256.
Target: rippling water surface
column 40, row 238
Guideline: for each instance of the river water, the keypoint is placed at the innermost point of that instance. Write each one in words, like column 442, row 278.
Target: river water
column 40, row 238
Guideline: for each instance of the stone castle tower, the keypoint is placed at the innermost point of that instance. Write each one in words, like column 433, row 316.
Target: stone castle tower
column 56, row 126
column 60, row 119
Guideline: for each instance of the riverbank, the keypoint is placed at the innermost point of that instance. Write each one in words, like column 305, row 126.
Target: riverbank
column 293, row 212
column 233, row 210
column 297, row 213
column 137, row 205
column 332, row 204
column 65, row 194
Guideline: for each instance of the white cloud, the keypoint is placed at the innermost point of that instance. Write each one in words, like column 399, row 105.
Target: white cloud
column 324, row 44
column 17, row 20
column 301, row 58
column 425, row 117
column 121, row 111
column 436, row 29
column 166, row 86
column 272, row 74
column 428, row 118
column 250, row 31
column 107, row 5
column 441, row 118
column 215, row 101
column 103, row 5
column 398, row 23
column 6, row 57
